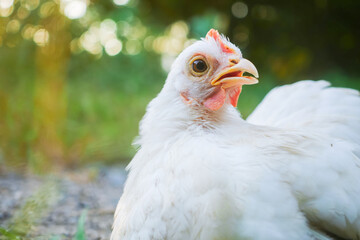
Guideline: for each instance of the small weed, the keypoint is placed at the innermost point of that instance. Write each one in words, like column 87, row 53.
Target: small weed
column 9, row 235
column 80, row 231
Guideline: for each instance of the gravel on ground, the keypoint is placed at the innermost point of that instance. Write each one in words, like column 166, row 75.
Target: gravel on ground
column 50, row 206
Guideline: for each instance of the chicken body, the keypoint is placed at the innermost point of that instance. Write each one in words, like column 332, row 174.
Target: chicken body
column 209, row 174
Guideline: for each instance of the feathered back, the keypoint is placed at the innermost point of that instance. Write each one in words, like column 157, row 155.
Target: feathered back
column 314, row 106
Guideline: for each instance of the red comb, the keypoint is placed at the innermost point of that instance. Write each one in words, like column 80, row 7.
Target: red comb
column 212, row 33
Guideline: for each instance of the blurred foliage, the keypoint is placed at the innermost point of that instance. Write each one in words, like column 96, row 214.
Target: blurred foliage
column 76, row 75
column 8, row 235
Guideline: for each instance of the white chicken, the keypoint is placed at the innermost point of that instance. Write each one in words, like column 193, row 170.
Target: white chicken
column 202, row 172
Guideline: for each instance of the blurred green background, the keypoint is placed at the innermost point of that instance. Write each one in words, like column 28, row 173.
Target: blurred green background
column 76, row 75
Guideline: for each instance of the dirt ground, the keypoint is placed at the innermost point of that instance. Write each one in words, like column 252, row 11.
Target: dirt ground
column 49, row 207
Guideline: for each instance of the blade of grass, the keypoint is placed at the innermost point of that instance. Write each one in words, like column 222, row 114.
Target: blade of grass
column 80, row 231
column 8, row 234
column 35, row 208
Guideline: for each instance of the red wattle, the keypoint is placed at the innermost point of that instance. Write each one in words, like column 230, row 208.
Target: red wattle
column 234, row 95
column 216, row 101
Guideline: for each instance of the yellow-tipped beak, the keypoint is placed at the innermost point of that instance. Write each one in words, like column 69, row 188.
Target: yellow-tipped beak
column 233, row 76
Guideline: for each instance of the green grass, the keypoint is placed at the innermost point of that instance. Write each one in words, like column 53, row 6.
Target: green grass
column 80, row 231
column 9, row 235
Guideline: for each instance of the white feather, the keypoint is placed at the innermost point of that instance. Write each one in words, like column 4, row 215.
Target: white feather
column 327, row 186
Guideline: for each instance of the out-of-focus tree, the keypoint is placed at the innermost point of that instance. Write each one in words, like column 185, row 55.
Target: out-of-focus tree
column 75, row 75
column 51, row 57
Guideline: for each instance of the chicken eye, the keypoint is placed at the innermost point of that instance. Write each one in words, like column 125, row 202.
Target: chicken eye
column 199, row 66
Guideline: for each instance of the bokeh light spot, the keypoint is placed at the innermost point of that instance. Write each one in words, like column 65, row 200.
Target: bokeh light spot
column 5, row 4
column 121, row 2
column 5, row 12
column 264, row 12
column 41, row 37
column 113, row 47
column 133, row 47
column 13, row 26
column 28, row 31
column 30, row 4
column 108, row 25
column 148, row 43
column 179, row 29
column 47, row 9
column 74, row 9
column 90, row 40
column 107, row 31
column 22, row 12
column 173, row 42
column 239, row 9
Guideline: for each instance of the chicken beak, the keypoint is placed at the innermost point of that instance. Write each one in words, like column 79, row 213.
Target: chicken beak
column 230, row 81
column 233, row 76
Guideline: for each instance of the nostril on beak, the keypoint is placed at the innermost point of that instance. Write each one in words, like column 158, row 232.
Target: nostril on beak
column 234, row 61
